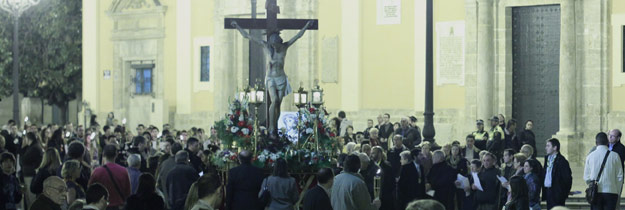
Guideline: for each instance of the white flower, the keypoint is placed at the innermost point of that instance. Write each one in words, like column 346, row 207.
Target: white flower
column 234, row 129
column 309, row 130
column 274, row 156
column 313, row 115
column 230, row 122
column 241, row 118
column 245, row 131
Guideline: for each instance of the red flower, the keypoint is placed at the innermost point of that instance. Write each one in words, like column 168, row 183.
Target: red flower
column 241, row 124
column 237, row 113
column 311, row 109
column 332, row 135
column 231, row 117
column 249, row 127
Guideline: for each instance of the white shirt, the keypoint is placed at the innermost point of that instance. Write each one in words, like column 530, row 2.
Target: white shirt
column 611, row 179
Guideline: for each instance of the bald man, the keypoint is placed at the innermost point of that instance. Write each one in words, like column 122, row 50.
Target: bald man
column 54, row 193
column 615, row 144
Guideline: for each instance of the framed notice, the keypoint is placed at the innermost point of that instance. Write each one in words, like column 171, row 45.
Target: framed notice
column 389, row 12
column 450, row 53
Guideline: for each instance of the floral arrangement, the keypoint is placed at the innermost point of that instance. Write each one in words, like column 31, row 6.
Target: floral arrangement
column 313, row 118
column 224, row 156
column 237, row 127
column 314, row 149
column 298, row 160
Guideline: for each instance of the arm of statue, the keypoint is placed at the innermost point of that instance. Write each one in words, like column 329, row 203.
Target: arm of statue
column 299, row 34
column 247, row 35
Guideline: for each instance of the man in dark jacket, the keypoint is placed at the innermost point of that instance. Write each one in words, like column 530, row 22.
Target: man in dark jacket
column 441, row 179
column 139, row 144
column 615, row 144
column 470, row 151
column 411, row 136
column 557, row 175
column 387, row 188
column 393, row 154
column 180, row 180
column 368, row 170
column 193, row 147
column 386, row 128
column 244, row 184
column 411, row 184
column 319, row 196
column 166, row 167
column 488, row 197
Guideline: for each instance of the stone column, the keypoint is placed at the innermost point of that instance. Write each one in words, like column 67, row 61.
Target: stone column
column 223, row 68
column 350, row 55
column 90, row 70
column 569, row 144
column 567, row 68
column 183, row 59
column 485, row 59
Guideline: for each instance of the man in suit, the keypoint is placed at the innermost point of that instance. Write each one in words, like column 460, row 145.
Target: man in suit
column 557, row 175
column 470, row 151
column 410, row 135
column 387, row 188
column 393, row 154
column 386, row 127
column 441, row 179
column 411, row 184
column 615, row 144
column 488, row 197
column 319, row 196
column 244, row 184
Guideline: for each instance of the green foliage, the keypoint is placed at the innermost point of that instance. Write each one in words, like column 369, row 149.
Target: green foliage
column 50, row 43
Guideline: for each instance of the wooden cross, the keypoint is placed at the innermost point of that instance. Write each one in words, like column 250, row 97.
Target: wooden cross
column 272, row 23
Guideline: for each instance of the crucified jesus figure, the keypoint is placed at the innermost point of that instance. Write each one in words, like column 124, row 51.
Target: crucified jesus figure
column 276, row 81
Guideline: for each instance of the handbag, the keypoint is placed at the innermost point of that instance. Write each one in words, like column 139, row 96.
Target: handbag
column 593, row 189
column 265, row 195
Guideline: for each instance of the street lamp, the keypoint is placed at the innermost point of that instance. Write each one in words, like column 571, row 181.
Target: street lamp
column 317, row 96
column 16, row 8
column 301, row 98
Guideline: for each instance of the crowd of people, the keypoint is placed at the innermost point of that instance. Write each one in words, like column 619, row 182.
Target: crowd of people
column 386, row 166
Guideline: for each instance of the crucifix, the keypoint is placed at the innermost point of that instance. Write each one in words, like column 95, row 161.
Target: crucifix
column 276, row 82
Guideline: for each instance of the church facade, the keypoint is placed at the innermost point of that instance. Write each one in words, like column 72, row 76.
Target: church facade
column 556, row 62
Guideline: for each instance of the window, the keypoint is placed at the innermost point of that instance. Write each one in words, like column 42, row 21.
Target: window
column 205, row 64
column 143, row 81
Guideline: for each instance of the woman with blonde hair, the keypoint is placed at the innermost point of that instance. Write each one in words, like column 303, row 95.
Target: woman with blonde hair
column 49, row 165
column 205, row 193
column 70, row 172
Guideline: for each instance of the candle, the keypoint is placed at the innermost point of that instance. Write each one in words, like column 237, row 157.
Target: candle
column 377, row 183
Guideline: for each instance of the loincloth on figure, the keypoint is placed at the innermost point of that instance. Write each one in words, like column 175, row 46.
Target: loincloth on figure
column 280, row 83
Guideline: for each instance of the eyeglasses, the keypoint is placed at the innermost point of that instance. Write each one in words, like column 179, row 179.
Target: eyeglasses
column 59, row 189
